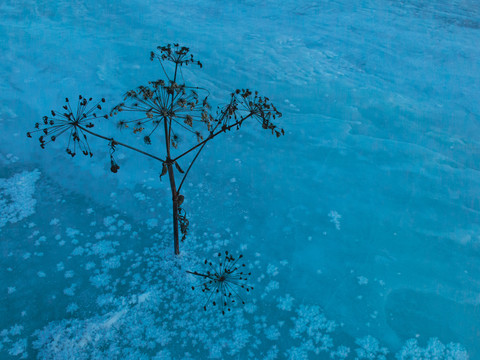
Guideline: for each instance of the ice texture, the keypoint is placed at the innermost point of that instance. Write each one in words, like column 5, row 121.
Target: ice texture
column 16, row 196
column 360, row 226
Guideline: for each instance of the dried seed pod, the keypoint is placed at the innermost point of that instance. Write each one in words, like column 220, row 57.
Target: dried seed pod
column 164, row 170
column 181, row 199
column 179, row 168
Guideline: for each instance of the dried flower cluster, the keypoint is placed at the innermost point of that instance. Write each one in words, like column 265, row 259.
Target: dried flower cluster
column 72, row 122
column 176, row 54
column 244, row 104
column 222, row 282
column 161, row 102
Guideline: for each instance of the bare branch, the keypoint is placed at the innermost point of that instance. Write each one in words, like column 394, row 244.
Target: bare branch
column 121, row 144
column 224, row 129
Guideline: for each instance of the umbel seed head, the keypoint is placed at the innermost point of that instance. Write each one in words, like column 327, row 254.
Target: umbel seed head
column 75, row 123
column 223, row 281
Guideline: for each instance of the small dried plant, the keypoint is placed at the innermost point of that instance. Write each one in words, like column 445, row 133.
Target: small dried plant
column 222, row 282
column 165, row 109
column 71, row 122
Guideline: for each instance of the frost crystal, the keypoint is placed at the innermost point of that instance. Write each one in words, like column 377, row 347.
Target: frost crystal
column 285, row 303
column 340, row 353
column 312, row 324
column 16, row 196
column 370, row 349
column 362, row 280
column 335, row 218
column 71, row 308
column 18, row 348
column 434, row 350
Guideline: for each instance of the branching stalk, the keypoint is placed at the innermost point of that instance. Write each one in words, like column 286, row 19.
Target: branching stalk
column 160, row 101
column 121, row 144
column 239, row 122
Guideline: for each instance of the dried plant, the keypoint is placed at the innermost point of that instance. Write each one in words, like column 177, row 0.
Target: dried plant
column 223, row 282
column 68, row 121
column 164, row 109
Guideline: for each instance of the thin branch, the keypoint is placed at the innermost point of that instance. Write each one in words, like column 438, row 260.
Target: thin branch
column 121, row 144
column 239, row 122
column 220, row 120
column 189, row 167
column 171, row 105
column 161, row 64
column 196, row 273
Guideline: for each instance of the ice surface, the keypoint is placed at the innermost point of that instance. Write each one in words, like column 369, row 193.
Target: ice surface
column 360, row 225
column 16, row 202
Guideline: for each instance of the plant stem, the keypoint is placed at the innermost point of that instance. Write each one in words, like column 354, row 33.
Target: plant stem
column 198, row 274
column 121, row 144
column 202, row 146
column 189, row 167
column 171, row 175
column 239, row 122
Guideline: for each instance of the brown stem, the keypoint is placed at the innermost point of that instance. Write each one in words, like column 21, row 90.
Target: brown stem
column 189, row 167
column 198, row 274
column 237, row 123
column 121, row 144
column 171, row 176
column 199, row 151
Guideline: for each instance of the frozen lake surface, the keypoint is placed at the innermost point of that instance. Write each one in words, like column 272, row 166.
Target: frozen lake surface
column 361, row 226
